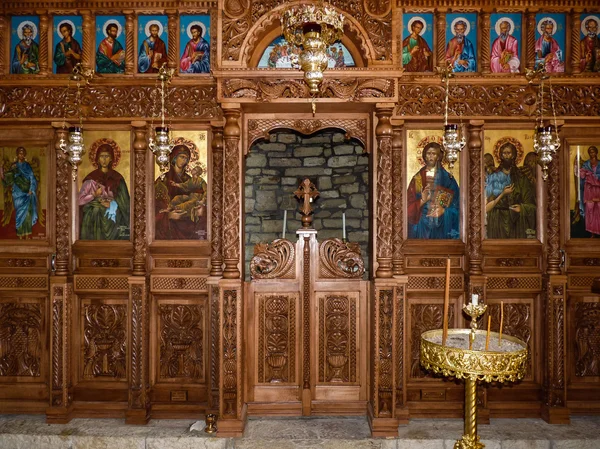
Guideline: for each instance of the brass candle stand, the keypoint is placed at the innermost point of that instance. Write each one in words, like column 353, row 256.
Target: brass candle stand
column 461, row 358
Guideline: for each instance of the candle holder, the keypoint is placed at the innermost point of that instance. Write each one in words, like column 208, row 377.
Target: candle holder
column 474, row 311
column 211, row 423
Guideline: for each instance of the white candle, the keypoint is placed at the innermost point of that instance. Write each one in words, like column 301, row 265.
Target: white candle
column 344, row 225
column 474, row 299
column 284, row 222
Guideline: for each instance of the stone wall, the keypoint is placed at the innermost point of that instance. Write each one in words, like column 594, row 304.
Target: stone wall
column 274, row 169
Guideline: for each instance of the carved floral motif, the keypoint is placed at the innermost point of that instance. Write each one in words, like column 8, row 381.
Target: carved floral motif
column 20, row 339
column 587, row 339
column 337, row 351
column 105, row 340
column 274, row 260
column 424, row 317
column 340, row 259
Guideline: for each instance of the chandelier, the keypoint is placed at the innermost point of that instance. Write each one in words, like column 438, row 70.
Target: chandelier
column 314, row 28
column 453, row 139
column 74, row 147
column 161, row 144
column 545, row 138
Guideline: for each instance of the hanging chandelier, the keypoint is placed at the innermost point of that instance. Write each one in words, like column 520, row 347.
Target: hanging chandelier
column 314, row 28
column 453, row 140
column 546, row 141
column 74, row 146
column 161, row 144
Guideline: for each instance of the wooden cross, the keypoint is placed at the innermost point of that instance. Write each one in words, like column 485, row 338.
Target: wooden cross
column 306, row 192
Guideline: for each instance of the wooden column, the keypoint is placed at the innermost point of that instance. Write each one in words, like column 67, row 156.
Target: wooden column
column 43, row 47
column 88, row 52
column 232, row 194
column 4, row 43
column 383, row 133
column 484, row 58
column 138, row 410
column 475, row 183
column 140, row 241
column 397, row 197
column 63, row 224
column 129, row 47
column 216, row 257
column 440, row 28
column 173, row 61
column 530, row 39
column 576, row 41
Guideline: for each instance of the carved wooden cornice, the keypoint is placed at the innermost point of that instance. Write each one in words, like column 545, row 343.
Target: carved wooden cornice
column 103, row 6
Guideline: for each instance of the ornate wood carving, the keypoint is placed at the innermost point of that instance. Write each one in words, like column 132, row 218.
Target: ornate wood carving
column 173, row 63
column 273, row 261
column 139, row 382
column 383, row 194
column 337, row 338
column 231, row 397
column 553, row 219
column 399, row 342
column 88, row 30
column 214, row 338
column 140, row 241
column 383, row 400
column 424, row 317
column 338, row 259
column 306, row 313
column 178, row 282
column 129, row 46
column 24, row 282
column 181, row 341
column 60, row 343
column 575, row 41
column 432, row 262
column 107, row 101
column 277, row 338
column 523, row 283
column 21, row 336
column 587, row 336
column 509, row 262
column 475, row 189
column 555, row 381
column 530, row 25
column 231, row 195
column 93, row 283
column 355, row 128
column 349, row 89
column 63, row 226
column 440, row 28
column 484, row 57
column 43, row 45
column 4, row 38
column 216, row 257
column 433, row 282
column 397, row 199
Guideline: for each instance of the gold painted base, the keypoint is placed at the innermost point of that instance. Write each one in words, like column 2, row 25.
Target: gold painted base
column 468, row 442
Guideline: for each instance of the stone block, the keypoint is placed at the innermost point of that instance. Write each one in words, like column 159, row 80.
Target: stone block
column 279, row 147
column 349, row 188
column 340, row 150
column 253, row 228
column 330, row 233
column 333, row 203
column 338, row 137
column 365, row 177
column 249, row 206
column 363, row 159
column 323, row 214
column 253, row 171
column 314, row 161
column 287, row 138
column 285, row 162
column 281, row 154
column 308, row 151
column 342, row 161
column 266, row 200
column 248, row 179
column 289, row 181
column 332, row 223
column 344, row 179
column 271, row 172
column 358, row 201
column 256, row 160
column 358, row 236
column 360, row 150
column 267, row 180
column 263, row 237
column 305, row 172
column 248, row 191
column 252, row 220
column 330, row 194
column 327, row 152
column 324, row 183
column 322, row 138
column 272, row 225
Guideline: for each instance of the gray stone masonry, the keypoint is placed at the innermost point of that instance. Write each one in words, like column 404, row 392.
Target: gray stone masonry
column 274, row 170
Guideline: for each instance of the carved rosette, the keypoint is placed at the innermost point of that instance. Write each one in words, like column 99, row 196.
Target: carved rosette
column 277, row 338
column 555, row 384
column 383, row 133
column 587, row 336
column 231, row 398
column 349, row 89
column 139, row 382
column 337, row 339
column 104, row 341
column 181, row 341
column 140, row 243
column 216, row 257
column 475, row 189
column 63, row 228
column 231, row 195
column 21, row 336
column 339, row 259
column 275, row 260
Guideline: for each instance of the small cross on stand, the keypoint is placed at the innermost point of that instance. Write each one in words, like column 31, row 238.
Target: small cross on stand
column 306, row 193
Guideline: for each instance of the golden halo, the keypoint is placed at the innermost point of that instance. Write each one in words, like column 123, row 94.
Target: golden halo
column 423, row 142
column 193, row 162
column 518, row 145
column 105, row 141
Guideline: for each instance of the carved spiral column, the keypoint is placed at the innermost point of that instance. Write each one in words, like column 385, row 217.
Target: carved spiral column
column 216, row 257
column 140, row 242
column 63, row 228
column 129, row 48
column 397, row 198
column 530, row 39
column 553, row 219
column 231, row 194
column 440, row 28
column 484, row 61
column 383, row 132
column 4, row 40
column 87, row 52
column 172, row 50
column 43, row 48
column 475, row 188
column 575, row 42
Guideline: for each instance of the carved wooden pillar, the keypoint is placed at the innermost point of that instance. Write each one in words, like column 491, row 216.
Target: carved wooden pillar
column 553, row 219
column 440, row 28
column 474, row 224
column 231, row 194
column 383, row 132
column 530, row 39
column 63, row 228
column 397, row 197
column 4, row 43
column 43, row 47
column 216, row 257
column 138, row 411
column 484, row 59
column 140, row 242
column 129, row 48
column 87, row 52
column 575, row 41
column 172, row 50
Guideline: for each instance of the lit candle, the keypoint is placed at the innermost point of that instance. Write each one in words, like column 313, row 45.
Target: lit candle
column 284, row 222
column 474, row 299
column 446, row 303
column 344, row 225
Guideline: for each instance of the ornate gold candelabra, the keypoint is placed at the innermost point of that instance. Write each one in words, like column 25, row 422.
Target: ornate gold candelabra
column 507, row 364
